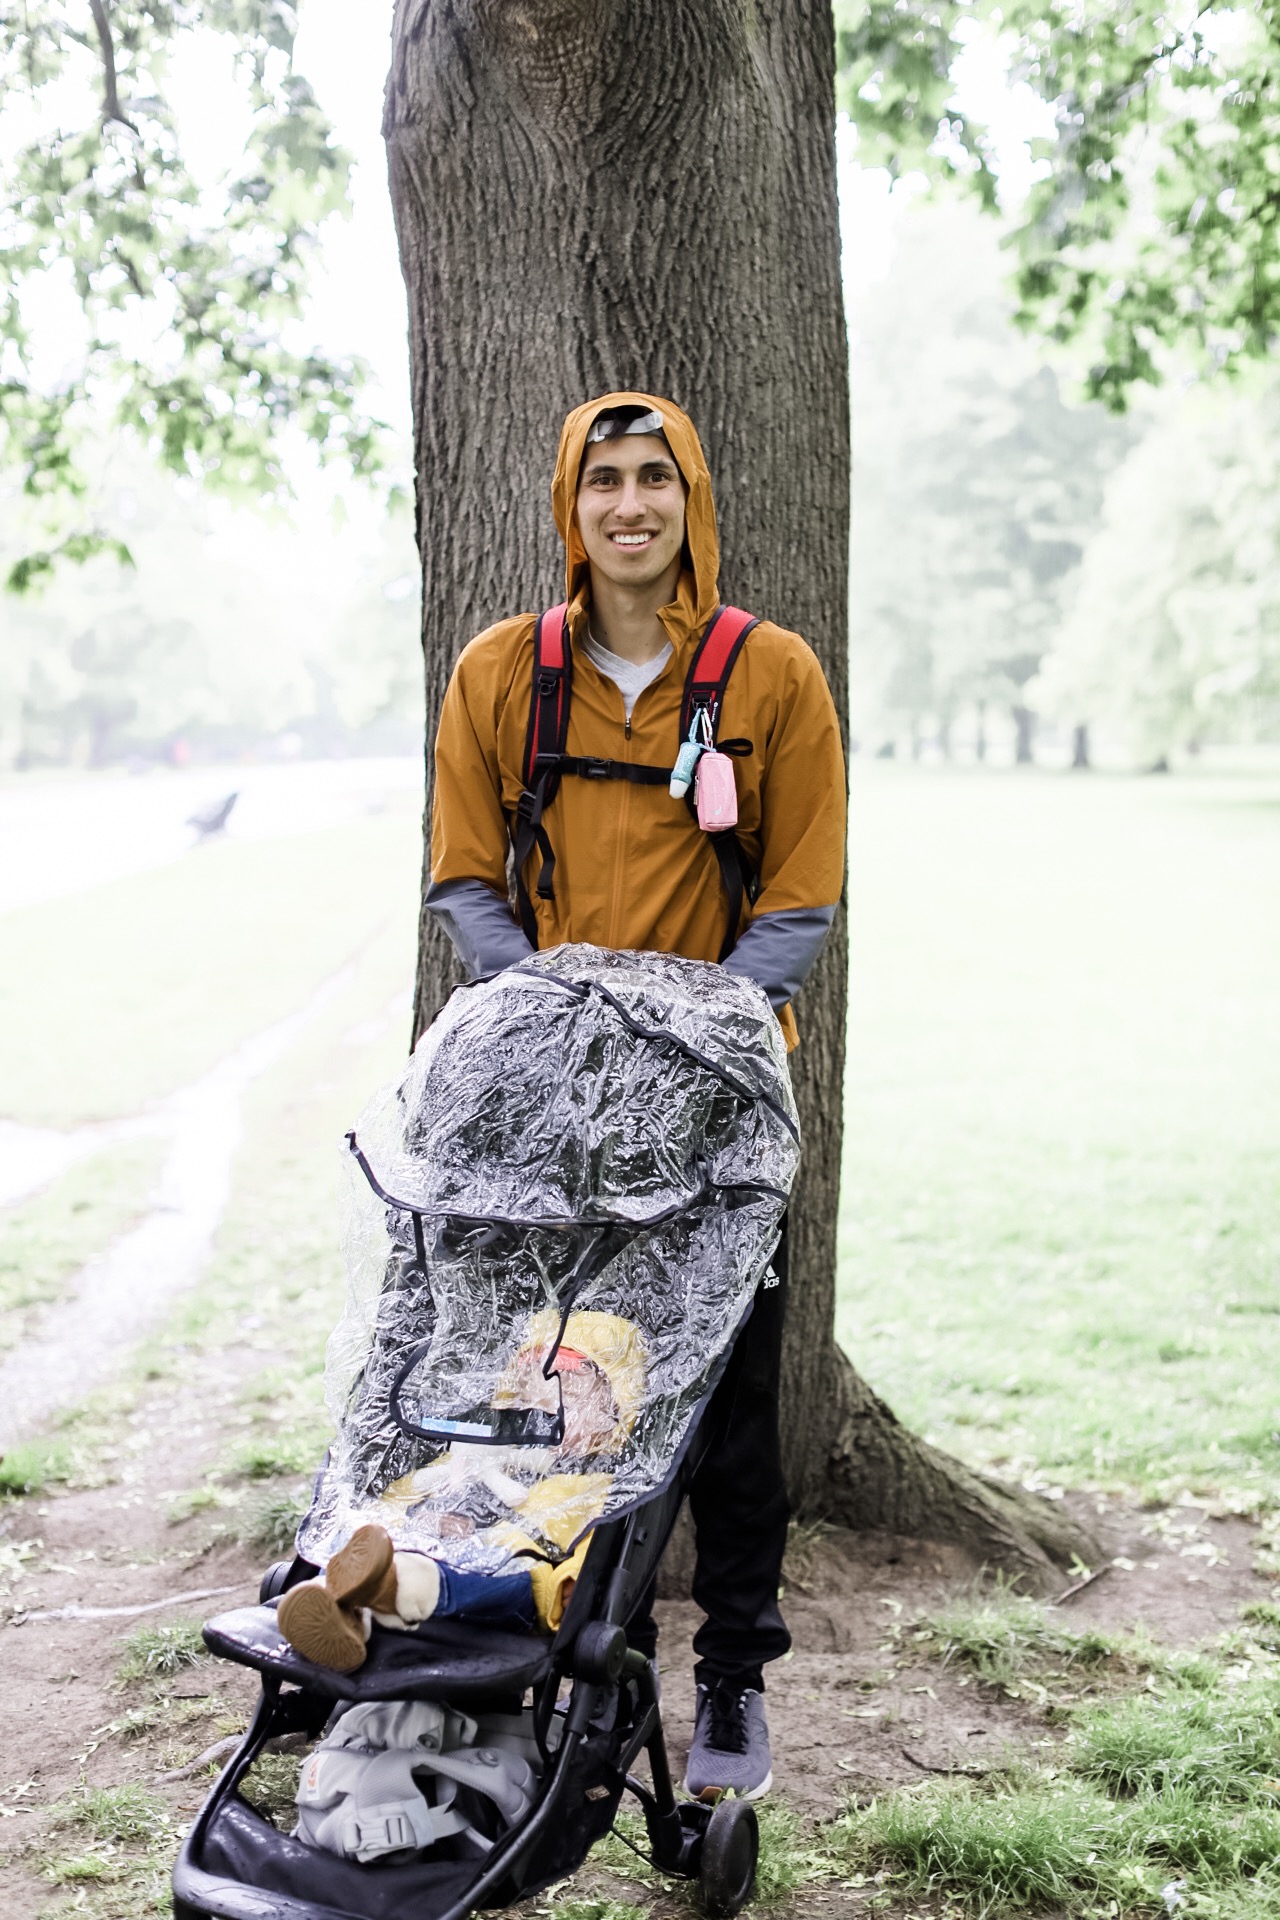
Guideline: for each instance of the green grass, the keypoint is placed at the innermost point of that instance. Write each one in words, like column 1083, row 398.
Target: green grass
column 1218, row 1744
column 271, row 1523
column 1003, row 1638
column 267, row 1455
column 118, row 1870
column 1060, row 1255
column 154, row 1653
column 595, row 1907
column 793, row 1855
column 1060, row 1243
column 114, row 1814
column 188, row 961
column 274, row 1286
column 271, row 1785
column 1263, row 1616
column 47, row 1239
column 34, row 1466
column 1178, row 1780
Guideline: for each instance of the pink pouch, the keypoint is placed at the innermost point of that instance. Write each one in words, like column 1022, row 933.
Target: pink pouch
column 717, row 793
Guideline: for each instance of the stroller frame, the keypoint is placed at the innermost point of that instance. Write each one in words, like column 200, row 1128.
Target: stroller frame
column 586, row 1772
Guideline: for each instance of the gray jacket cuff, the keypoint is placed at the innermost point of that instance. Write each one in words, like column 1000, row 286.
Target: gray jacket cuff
column 778, row 950
column 479, row 923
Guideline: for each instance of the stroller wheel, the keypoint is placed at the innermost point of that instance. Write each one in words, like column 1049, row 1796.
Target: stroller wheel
column 285, row 1573
column 272, row 1583
column 730, row 1848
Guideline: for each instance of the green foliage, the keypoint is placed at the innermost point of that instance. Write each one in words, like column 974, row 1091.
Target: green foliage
column 1156, row 222
column 1153, row 226
column 154, row 1653
column 893, row 65
column 233, row 627
column 102, row 203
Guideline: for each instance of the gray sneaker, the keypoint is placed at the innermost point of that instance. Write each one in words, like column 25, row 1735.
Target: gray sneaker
column 730, row 1751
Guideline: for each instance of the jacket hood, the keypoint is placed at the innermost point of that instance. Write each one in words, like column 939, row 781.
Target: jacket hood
column 697, row 595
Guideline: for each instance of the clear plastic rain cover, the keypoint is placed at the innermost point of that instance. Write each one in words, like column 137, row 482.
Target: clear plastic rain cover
column 557, row 1221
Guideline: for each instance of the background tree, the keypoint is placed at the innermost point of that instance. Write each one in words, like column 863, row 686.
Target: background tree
column 1174, row 634
column 571, row 189
column 975, row 487
column 235, row 631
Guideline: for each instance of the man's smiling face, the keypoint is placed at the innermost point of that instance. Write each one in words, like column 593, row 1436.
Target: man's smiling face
column 631, row 509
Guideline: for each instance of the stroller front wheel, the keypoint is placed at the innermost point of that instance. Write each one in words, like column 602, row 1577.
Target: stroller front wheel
column 730, row 1849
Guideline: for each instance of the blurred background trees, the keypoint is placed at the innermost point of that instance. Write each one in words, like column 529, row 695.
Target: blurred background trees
column 977, row 491
column 232, row 633
column 1172, row 635
column 1062, row 543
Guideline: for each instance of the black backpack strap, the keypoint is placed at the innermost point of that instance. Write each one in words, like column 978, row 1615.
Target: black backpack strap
column 544, row 746
column 704, row 689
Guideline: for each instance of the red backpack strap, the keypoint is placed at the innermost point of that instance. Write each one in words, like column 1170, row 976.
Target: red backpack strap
column 543, row 751
column 551, row 689
column 711, row 666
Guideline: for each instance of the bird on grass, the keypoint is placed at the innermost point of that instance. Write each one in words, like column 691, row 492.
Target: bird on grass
column 212, row 819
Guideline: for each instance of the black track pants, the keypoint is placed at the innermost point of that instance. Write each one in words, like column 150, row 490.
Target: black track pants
column 740, row 1511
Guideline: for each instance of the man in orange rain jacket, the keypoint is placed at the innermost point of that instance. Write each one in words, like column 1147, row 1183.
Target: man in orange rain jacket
column 632, row 869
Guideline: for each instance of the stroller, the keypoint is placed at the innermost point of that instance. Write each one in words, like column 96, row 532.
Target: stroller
column 567, row 1202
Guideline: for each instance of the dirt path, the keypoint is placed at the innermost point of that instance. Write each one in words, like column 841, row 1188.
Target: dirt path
column 117, row 1297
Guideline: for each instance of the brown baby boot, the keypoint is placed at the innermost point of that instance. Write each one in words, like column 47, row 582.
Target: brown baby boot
column 322, row 1619
column 362, row 1574
column 319, row 1629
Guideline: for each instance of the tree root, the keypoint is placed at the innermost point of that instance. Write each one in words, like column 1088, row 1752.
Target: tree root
column 879, row 1475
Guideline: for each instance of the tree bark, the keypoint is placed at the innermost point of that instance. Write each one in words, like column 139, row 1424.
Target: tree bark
column 602, row 194
column 1080, row 761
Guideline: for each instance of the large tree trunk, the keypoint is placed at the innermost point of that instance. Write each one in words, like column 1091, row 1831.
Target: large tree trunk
column 602, row 194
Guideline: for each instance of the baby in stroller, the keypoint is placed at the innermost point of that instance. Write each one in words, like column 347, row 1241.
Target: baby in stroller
column 558, row 1219
column 532, row 1508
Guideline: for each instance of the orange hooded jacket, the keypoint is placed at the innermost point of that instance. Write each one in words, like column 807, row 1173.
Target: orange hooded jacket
column 633, row 868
